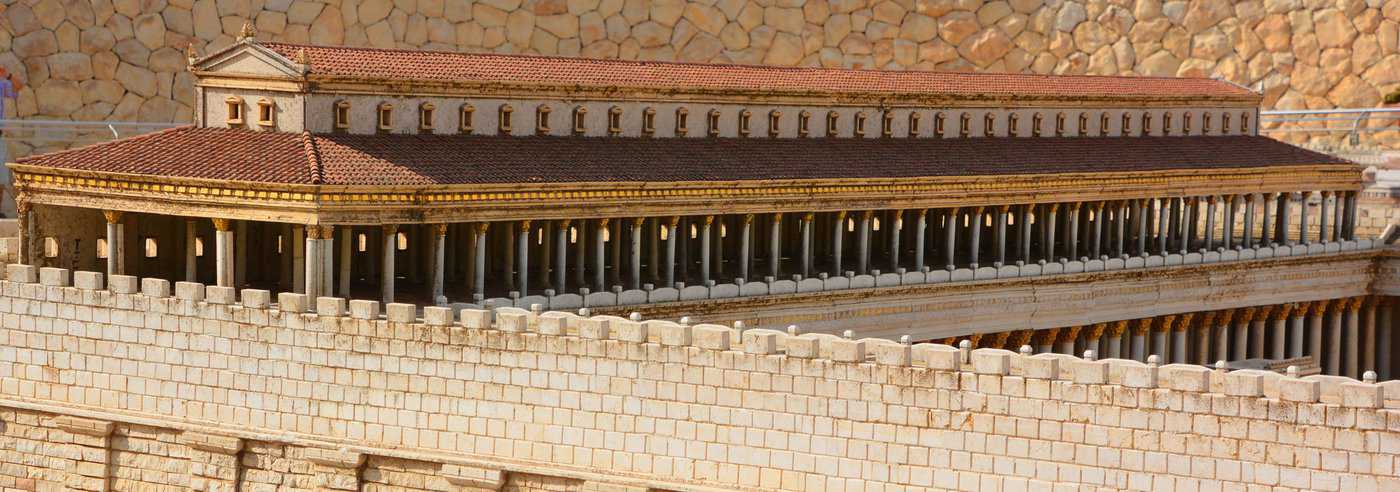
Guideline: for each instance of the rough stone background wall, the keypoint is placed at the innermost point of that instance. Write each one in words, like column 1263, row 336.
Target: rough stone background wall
column 125, row 59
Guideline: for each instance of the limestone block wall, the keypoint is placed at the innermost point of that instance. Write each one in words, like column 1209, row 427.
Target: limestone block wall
column 127, row 383
column 124, row 59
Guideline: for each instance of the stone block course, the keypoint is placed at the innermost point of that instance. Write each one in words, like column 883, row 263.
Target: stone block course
column 543, row 405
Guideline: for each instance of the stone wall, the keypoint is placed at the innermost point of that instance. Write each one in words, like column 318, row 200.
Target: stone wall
column 126, row 383
column 125, row 59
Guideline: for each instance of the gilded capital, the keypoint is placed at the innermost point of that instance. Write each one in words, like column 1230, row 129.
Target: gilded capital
column 1165, row 323
column 1143, row 326
column 439, row 229
column 1117, row 328
column 222, row 225
column 1283, row 311
column 1045, row 337
column 807, row 217
column 112, row 216
column 564, row 223
column 636, row 223
column 841, row 215
column 524, row 225
column 998, row 340
column 1021, row 337
column 394, row 228
column 1247, row 314
column 1068, row 334
column 1096, row 331
column 748, row 219
column 1183, row 322
column 481, row 227
column 1208, row 318
column 710, row 219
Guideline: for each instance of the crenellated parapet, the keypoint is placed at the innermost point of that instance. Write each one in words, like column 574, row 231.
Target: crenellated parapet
column 577, row 398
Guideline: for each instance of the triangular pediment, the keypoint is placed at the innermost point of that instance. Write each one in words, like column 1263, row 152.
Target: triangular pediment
column 248, row 58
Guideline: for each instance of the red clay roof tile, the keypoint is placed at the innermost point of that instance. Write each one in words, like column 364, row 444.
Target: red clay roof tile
column 584, row 72
column 413, row 160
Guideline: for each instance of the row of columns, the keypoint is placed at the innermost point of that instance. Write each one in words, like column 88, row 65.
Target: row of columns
column 530, row 257
column 1344, row 337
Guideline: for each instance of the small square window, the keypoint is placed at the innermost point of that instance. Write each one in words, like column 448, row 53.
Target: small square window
column 542, row 119
column 503, row 118
column 235, row 110
column 464, row 119
column 267, row 113
column 425, row 117
column 649, row 122
column 615, row 120
column 386, row 117
column 580, row 120
column 682, row 115
column 342, row 115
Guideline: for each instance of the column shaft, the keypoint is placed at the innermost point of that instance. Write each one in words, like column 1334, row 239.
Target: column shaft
column 1210, row 223
column 896, row 225
column 1247, row 236
column 975, row 241
column 1000, row 234
column 1023, row 231
column 479, row 282
column 746, row 247
column 386, row 278
column 671, row 238
column 637, row 231
column 807, row 244
column 706, row 243
column 1303, row 218
column 838, row 232
column 920, row 232
column 191, row 255
column 863, row 244
column 775, row 246
column 561, row 256
column 1323, row 216
column 347, row 236
column 223, row 249
column 1266, row 230
column 439, row 238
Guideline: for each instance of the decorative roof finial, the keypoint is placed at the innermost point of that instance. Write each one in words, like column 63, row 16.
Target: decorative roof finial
column 191, row 54
column 302, row 57
column 248, row 32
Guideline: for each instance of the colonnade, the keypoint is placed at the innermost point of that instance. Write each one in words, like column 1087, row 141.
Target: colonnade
column 477, row 260
column 1344, row 337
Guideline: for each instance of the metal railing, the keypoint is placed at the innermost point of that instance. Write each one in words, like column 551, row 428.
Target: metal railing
column 46, row 133
column 1351, row 123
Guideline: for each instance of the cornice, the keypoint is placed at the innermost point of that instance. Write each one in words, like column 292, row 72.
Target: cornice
column 460, row 203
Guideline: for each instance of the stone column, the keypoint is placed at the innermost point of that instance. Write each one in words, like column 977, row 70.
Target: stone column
column 950, row 238
column 1072, row 222
column 615, row 252
column 223, row 240
column 1339, row 314
column 1210, row 222
column 975, row 239
column 1266, row 231
column 920, row 233
column 1281, row 232
column 745, row 247
column 1044, row 340
column 775, row 243
column 191, row 255
column 1240, row 340
column 1279, row 318
column 1228, row 234
column 1094, row 339
column 1049, row 215
column 1295, row 329
column 347, row 237
column 1324, row 215
column 1220, row 335
column 1318, row 313
column 1114, row 340
column 807, row 244
column 386, row 267
column 312, row 264
column 1203, row 336
column 1350, row 359
column 637, row 231
column 1183, row 323
column 600, row 265
column 1140, row 330
column 24, row 211
column 1163, row 224
column 1385, row 333
column 439, row 238
column 114, row 242
column 1350, row 232
column 1247, row 238
column 478, row 283
column 561, row 256
column 1000, row 234
column 1140, row 225
column 1161, row 337
column 1256, row 331
column 838, row 232
column 706, row 243
column 1303, row 217
column 1064, row 339
column 1023, row 231
column 671, row 238
column 240, row 248
column 298, row 257
column 1096, row 233
column 1120, row 224
column 1182, row 216
column 1368, row 335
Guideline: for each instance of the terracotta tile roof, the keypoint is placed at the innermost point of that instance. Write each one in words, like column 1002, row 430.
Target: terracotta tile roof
column 583, row 72
column 340, row 159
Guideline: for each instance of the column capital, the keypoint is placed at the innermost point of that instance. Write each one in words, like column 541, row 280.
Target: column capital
column 1165, row 323
column 1183, row 322
column 481, row 227
column 112, row 216
column 1354, row 303
column 1096, row 331
column 1117, row 328
column 976, row 339
column 1074, row 206
column 1046, row 336
column 675, row 220
column 319, row 231
column 777, row 217
column 807, row 217
column 748, row 219
column 1247, row 314
column 998, row 340
column 1143, row 326
column 1068, row 334
column 1210, row 200
column 1282, row 311
column 394, row 228
column 1208, row 318
column 223, row 225
column 636, row 222
column 923, row 212
column 439, row 229
column 1224, row 317
column 1020, row 337
column 1249, row 197
column 1001, row 209
column 564, row 223
column 867, row 214
column 709, row 219
column 603, row 222
column 23, row 205
column 841, row 215
column 1053, row 207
